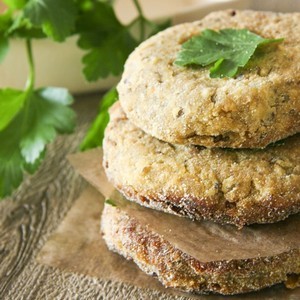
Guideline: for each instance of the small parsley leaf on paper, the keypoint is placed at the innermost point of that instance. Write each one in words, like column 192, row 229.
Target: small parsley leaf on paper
column 110, row 202
column 95, row 134
column 229, row 49
column 56, row 17
column 42, row 113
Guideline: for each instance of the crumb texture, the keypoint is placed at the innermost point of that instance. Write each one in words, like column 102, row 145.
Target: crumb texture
column 229, row 186
column 185, row 106
column 157, row 256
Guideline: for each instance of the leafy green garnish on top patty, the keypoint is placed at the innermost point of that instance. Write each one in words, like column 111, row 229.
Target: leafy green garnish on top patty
column 227, row 49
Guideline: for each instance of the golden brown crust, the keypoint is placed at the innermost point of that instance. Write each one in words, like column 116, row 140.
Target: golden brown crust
column 269, row 211
column 228, row 186
column 185, row 106
column 156, row 256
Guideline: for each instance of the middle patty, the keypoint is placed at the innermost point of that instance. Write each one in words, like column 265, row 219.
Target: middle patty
column 228, row 186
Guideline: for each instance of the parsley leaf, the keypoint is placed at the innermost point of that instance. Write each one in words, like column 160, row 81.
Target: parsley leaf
column 228, row 49
column 3, row 47
column 95, row 134
column 22, row 142
column 97, row 17
column 56, row 17
column 109, row 58
column 15, row 4
column 108, row 42
column 11, row 101
column 5, row 23
column 23, row 28
column 30, row 119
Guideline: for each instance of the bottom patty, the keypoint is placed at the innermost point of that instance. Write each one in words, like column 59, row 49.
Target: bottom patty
column 156, row 255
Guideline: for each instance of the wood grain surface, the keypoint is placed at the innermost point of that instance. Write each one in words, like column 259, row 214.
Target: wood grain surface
column 29, row 217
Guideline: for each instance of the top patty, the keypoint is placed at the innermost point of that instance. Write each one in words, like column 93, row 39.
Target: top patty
column 185, row 106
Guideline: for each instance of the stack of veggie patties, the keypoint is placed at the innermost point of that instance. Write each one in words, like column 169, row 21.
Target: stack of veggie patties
column 217, row 143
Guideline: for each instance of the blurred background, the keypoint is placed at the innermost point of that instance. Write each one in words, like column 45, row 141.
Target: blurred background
column 60, row 64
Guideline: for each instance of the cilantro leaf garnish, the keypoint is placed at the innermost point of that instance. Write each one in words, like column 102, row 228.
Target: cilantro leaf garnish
column 229, row 49
column 56, row 17
column 95, row 134
column 40, row 115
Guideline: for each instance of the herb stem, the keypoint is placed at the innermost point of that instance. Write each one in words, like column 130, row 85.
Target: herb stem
column 133, row 22
column 138, row 7
column 31, row 77
column 142, row 19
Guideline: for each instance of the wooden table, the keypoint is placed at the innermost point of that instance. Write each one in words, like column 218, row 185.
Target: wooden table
column 29, row 217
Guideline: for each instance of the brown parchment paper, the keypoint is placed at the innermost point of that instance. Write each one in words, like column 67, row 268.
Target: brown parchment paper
column 205, row 241
column 77, row 245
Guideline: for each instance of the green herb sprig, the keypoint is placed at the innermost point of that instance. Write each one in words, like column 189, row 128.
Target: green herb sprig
column 227, row 49
column 32, row 117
